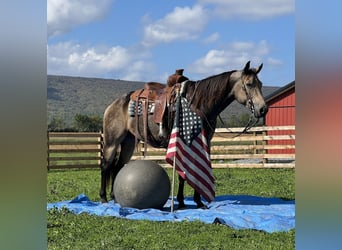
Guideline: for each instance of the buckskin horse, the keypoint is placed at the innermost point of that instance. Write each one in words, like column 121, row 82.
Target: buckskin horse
column 147, row 115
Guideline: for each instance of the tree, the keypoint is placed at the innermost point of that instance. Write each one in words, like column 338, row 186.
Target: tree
column 244, row 119
column 56, row 124
column 240, row 120
column 85, row 123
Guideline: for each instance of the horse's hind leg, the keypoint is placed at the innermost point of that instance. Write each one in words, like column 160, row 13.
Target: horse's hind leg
column 197, row 199
column 109, row 155
column 180, row 194
column 126, row 152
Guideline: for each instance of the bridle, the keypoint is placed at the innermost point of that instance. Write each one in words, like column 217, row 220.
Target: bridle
column 250, row 123
column 249, row 98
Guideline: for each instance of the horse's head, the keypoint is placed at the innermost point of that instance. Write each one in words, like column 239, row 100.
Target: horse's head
column 247, row 90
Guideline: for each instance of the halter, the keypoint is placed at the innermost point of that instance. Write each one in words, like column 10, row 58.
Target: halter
column 249, row 98
column 252, row 108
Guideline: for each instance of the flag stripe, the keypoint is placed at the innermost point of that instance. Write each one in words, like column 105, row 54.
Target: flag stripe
column 204, row 156
column 194, row 162
column 206, row 191
column 193, row 179
column 200, row 159
column 187, row 165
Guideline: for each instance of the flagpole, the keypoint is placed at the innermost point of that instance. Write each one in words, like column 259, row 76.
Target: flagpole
column 174, row 157
column 173, row 183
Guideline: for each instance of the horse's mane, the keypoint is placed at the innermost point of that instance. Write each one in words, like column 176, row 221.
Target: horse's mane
column 207, row 90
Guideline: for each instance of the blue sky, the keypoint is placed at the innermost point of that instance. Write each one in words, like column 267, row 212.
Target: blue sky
column 147, row 40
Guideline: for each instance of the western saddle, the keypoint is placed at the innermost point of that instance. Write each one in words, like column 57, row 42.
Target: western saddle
column 161, row 96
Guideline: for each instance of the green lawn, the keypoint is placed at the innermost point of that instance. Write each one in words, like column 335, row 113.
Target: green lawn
column 68, row 231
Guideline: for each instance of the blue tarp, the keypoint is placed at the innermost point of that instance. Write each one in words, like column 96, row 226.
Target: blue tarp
column 236, row 211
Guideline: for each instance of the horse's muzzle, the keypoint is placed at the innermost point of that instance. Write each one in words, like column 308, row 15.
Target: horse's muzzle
column 261, row 112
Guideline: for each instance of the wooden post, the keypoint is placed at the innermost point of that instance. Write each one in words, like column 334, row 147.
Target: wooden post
column 255, row 143
column 100, row 147
column 264, row 151
column 48, row 150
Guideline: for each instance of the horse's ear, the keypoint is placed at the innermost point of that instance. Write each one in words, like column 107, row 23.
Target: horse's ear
column 246, row 68
column 259, row 68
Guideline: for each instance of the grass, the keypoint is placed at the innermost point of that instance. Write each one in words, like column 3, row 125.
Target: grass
column 68, row 231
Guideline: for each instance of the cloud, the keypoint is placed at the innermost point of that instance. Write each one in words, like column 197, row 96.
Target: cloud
column 73, row 59
column 212, row 38
column 234, row 56
column 64, row 15
column 140, row 70
column 250, row 10
column 181, row 24
column 274, row 62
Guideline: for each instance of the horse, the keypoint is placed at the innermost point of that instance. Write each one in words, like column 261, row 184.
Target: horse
column 207, row 97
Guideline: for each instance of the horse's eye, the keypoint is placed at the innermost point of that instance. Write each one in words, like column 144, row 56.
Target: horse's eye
column 250, row 84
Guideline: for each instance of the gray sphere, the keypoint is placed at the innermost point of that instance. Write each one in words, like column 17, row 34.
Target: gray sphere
column 142, row 184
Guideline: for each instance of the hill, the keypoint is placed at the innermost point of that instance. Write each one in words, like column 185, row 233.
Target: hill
column 68, row 96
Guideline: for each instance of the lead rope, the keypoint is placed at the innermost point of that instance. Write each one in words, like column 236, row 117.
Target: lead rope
column 248, row 126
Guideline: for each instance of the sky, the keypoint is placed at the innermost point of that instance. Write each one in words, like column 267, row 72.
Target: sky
column 148, row 40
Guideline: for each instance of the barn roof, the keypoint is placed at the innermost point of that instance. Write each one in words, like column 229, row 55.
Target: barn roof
column 280, row 91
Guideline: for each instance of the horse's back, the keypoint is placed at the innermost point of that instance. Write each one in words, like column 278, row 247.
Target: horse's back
column 119, row 103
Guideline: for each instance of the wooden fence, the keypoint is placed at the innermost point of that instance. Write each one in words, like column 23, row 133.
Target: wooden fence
column 74, row 150
column 228, row 149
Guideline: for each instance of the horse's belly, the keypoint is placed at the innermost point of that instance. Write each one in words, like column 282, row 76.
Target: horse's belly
column 154, row 134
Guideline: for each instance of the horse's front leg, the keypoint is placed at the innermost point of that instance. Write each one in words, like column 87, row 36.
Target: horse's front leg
column 126, row 152
column 197, row 199
column 180, row 194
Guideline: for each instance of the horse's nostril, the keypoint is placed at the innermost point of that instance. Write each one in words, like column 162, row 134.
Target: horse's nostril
column 264, row 110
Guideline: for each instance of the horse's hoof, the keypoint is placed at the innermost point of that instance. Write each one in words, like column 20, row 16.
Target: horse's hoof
column 202, row 206
column 104, row 200
column 181, row 206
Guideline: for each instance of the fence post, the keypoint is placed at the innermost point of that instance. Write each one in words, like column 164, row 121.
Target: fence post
column 48, row 150
column 100, row 147
column 264, row 151
column 255, row 143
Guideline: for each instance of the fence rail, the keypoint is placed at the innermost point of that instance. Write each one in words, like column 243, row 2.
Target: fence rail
column 272, row 147
column 74, row 150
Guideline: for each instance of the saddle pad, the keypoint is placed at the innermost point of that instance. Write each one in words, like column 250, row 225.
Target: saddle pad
column 132, row 109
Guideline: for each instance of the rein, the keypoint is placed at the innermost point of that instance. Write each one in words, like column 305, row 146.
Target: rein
column 249, row 98
column 250, row 123
column 248, row 126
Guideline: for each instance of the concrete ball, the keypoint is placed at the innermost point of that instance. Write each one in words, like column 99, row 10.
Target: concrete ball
column 142, row 184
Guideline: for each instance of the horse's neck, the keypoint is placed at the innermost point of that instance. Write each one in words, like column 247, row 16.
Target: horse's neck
column 211, row 109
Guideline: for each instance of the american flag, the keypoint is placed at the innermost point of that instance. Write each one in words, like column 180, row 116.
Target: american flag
column 189, row 149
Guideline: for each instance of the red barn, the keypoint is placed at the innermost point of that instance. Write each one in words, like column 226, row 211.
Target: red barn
column 281, row 104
